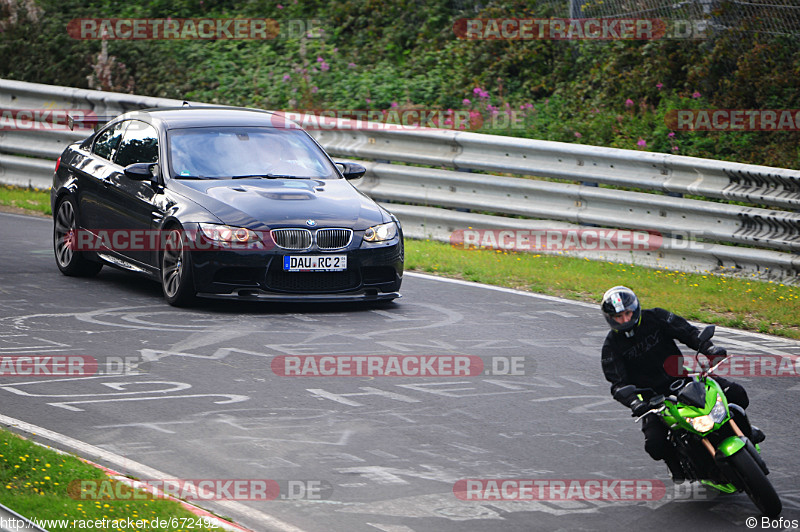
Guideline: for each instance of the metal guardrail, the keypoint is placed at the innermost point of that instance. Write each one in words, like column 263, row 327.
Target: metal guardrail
column 448, row 194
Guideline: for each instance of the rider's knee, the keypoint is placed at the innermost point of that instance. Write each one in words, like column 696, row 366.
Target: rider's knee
column 656, row 448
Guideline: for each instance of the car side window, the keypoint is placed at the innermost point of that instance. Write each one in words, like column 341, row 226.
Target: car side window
column 139, row 144
column 107, row 142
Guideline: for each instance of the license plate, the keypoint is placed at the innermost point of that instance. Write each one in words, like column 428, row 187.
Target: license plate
column 314, row 263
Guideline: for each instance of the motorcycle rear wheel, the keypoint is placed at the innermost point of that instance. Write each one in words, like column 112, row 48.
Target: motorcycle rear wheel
column 756, row 484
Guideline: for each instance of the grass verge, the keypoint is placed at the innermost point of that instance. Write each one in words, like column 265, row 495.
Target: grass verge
column 40, row 483
column 755, row 305
column 766, row 307
column 33, row 201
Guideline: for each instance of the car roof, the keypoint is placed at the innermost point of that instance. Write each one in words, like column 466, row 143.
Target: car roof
column 187, row 117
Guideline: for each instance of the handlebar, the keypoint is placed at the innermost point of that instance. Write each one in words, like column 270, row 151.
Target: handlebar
column 652, row 411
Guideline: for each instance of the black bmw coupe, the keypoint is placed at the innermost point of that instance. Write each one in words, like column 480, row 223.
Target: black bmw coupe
column 222, row 203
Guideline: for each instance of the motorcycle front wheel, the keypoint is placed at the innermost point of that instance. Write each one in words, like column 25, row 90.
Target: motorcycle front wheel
column 756, row 484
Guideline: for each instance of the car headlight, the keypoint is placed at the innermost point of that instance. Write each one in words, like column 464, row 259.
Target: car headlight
column 231, row 236
column 379, row 233
column 701, row 423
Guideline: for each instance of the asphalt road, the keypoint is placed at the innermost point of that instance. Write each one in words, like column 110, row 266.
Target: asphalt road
column 374, row 453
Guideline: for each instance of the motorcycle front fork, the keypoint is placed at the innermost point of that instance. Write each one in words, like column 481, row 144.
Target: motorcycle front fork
column 736, row 430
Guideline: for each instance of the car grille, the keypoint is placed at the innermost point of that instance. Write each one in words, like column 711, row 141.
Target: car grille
column 292, row 238
column 306, row 282
column 298, row 239
column 334, row 238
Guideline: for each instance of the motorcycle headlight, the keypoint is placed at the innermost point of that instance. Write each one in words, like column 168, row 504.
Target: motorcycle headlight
column 701, row 423
column 719, row 412
column 379, row 233
column 229, row 235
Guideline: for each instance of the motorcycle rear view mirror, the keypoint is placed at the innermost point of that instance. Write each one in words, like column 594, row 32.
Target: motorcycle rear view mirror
column 706, row 334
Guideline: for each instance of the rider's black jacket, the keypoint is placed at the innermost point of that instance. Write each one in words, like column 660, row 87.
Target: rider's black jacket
column 639, row 360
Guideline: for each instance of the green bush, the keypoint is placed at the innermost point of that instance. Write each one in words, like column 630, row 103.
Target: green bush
column 376, row 55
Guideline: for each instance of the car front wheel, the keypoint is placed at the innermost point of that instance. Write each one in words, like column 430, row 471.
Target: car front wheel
column 176, row 270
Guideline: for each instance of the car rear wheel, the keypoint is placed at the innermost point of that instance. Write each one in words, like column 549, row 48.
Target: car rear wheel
column 70, row 261
column 176, row 270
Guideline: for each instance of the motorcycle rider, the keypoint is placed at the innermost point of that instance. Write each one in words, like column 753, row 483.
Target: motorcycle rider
column 634, row 352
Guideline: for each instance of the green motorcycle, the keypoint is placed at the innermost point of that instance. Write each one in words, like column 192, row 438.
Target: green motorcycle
column 712, row 437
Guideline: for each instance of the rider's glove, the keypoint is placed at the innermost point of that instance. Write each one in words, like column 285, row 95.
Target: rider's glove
column 715, row 354
column 639, row 408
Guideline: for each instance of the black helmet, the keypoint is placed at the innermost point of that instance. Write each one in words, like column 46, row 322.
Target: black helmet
column 620, row 299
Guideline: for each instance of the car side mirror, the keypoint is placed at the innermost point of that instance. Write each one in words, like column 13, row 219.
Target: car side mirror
column 139, row 171
column 351, row 170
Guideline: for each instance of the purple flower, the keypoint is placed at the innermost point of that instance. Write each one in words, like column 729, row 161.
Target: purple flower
column 477, row 90
column 320, row 59
column 659, row 85
column 394, row 104
column 368, row 100
column 280, row 6
column 671, row 134
column 628, row 102
column 578, row 135
column 324, row 66
column 351, row 65
column 466, row 101
column 696, row 95
column 314, row 90
column 642, row 143
column 286, row 77
column 674, row 148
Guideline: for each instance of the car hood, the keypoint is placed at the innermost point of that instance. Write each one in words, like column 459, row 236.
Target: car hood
column 269, row 203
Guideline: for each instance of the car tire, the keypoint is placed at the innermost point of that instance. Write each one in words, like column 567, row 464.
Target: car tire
column 177, row 281
column 70, row 261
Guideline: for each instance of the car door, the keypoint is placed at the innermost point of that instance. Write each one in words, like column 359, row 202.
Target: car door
column 93, row 178
column 131, row 201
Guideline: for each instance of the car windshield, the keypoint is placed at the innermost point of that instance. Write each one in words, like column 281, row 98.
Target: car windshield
column 237, row 152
